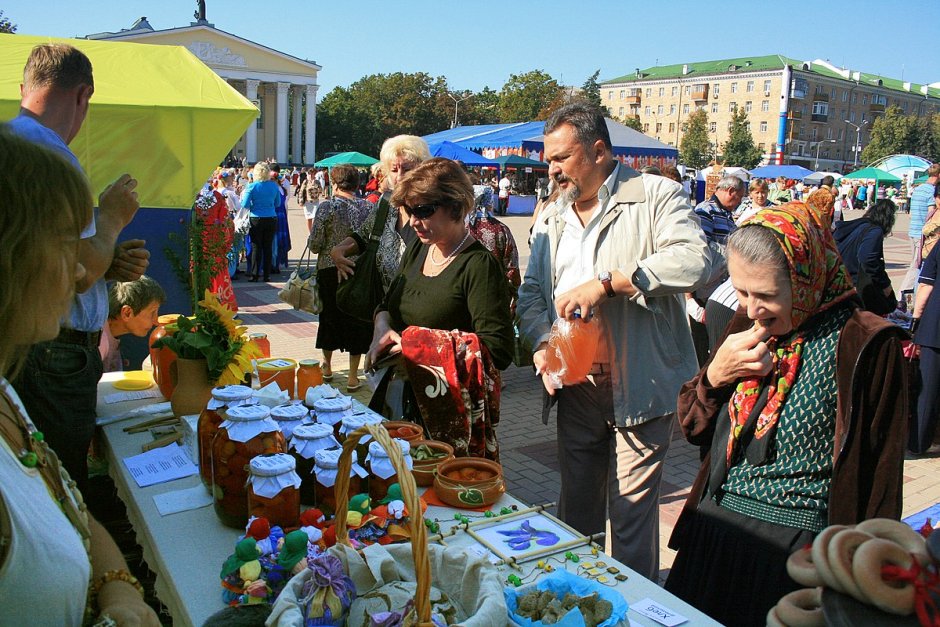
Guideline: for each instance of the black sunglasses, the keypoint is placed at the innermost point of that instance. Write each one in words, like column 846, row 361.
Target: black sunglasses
column 422, row 212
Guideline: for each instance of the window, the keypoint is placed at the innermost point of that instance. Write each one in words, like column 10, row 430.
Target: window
column 646, row 127
column 760, row 146
column 845, row 95
column 854, row 98
column 610, row 94
column 685, row 109
column 841, row 134
column 672, row 109
column 623, row 93
column 621, row 112
column 765, row 105
column 712, row 127
column 832, row 93
column 662, row 91
column 865, row 99
column 820, row 108
column 659, row 126
column 763, row 127
column 734, row 88
column 659, row 110
column 714, row 107
column 648, row 92
column 688, row 90
column 729, row 125
column 829, row 133
column 750, row 86
column 699, row 107
column 675, row 91
column 715, row 89
column 851, row 116
column 747, row 106
column 815, row 129
column 732, row 107
column 766, row 85
column 882, row 100
column 646, row 111
column 672, row 127
column 801, row 133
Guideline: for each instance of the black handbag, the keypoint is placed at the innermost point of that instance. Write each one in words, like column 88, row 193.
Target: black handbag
column 359, row 295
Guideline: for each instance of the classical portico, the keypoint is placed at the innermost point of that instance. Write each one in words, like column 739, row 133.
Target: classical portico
column 283, row 87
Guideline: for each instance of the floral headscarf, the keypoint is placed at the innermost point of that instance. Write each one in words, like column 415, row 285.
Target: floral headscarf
column 818, row 280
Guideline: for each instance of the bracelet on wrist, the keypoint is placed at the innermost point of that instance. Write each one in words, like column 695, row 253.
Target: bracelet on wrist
column 116, row 575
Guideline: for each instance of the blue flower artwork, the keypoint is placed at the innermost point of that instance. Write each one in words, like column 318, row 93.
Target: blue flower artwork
column 521, row 539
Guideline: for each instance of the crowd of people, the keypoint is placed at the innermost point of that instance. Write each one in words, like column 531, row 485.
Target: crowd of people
column 750, row 321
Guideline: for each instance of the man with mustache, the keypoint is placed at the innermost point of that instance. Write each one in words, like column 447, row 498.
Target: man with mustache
column 623, row 246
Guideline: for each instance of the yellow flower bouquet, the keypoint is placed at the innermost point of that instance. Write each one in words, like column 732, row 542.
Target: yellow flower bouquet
column 214, row 334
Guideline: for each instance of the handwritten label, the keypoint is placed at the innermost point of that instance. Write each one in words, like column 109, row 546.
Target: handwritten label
column 662, row 615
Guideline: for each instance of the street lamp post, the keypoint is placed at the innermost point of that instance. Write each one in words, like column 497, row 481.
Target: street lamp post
column 818, row 144
column 457, row 102
column 858, row 138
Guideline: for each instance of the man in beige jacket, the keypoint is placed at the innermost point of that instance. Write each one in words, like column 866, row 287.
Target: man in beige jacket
column 626, row 246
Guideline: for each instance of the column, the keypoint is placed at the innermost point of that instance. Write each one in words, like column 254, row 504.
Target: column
column 280, row 144
column 251, row 135
column 297, row 98
column 310, row 128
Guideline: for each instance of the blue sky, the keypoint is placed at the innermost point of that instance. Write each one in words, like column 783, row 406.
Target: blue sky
column 480, row 43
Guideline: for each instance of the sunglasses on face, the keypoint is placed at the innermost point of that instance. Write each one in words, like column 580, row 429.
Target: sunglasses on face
column 422, row 212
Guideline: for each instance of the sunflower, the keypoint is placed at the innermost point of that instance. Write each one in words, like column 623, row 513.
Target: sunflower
column 224, row 314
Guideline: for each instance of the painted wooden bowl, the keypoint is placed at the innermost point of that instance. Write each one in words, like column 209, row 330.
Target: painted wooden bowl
column 469, row 482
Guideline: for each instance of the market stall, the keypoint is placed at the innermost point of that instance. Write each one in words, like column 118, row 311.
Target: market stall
column 527, row 172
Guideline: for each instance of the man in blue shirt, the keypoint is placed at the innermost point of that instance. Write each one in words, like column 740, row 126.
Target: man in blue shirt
column 921, row 202
column 58, row 384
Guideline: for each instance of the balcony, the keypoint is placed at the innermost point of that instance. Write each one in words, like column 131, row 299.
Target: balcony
column 819, row 117
column 632, row 100
column 876, row 109
column 796, row 115
column 820, row 97
column 700, row 92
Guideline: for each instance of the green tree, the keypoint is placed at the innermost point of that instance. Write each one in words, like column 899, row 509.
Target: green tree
column 591, row 89
column 633, row 121
column 740, row 150
column 6, row 26
column 482, row 108
column 695, row 149
column 891, row 133
column 525, row 96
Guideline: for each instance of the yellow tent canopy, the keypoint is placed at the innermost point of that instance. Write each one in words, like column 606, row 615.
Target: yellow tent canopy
column 158, row 113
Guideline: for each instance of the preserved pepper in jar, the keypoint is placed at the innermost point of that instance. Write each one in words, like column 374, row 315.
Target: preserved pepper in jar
column 331, row 410
column 325, row 470
column 209, row 420
column 382, row 473
column 309, row 376
column 246, row 432
column 306, row 441
column 289, row 416
column 274, row 489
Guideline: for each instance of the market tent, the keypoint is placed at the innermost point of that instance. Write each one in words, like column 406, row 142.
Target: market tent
column 817, row 177
column 879, row 176
column 158, row 113
column 450, row 150
column 349, row 158
column 796, row 172
column 514, row 161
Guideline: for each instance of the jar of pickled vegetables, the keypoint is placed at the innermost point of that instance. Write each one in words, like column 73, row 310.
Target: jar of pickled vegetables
column 309, row 375
column 331, row 410
column 326, row 462
column 382, row 473
column 306, row 441
column 246, row 432
column 223, row 397
column 289, row 416
column 274, row 489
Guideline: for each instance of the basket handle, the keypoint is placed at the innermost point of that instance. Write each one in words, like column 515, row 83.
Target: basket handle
column 419, row 540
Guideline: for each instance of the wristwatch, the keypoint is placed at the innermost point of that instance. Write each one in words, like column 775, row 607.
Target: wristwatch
column 605, row 279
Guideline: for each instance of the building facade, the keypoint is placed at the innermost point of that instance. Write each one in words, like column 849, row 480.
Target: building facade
column 283, row 87
column 803, row 113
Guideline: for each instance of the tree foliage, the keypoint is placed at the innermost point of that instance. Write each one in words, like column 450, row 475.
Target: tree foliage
column 896, row 133
column 740, row 150
column 526, row 97
column 632, row 121
column 695, row 149
column 591, row 89
column 6, row 26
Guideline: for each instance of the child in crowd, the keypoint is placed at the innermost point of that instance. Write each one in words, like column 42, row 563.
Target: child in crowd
column 133, row 307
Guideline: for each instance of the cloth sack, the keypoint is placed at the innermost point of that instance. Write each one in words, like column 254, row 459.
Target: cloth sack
column 359, row 295
column 300, row 291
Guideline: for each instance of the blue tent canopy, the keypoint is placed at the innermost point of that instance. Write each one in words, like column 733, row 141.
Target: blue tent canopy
column 789, row 171
column 450, row 150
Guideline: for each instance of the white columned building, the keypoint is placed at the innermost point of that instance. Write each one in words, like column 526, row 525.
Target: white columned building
column 310, row 127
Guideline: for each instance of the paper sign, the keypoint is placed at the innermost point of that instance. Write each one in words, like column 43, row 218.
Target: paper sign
column 120, row 397
column 160, row 465
column 182, row 500
column 661, row 614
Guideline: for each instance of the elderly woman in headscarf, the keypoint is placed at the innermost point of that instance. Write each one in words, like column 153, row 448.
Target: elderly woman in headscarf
column 800, row 438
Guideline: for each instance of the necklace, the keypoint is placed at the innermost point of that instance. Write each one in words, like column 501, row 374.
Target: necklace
column 452, row 254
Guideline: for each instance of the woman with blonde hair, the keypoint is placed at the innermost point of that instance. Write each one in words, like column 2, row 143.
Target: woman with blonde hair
column 260, row 198
column 51, row 551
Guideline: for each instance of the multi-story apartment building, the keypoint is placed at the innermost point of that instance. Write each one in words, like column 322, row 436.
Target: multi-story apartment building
column 798, row 111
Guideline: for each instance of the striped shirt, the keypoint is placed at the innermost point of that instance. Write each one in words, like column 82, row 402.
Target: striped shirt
column 717, row 222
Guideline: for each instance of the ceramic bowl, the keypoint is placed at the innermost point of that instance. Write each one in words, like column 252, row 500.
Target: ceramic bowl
column 424, row 469
column 469, row 482
column 404, row 430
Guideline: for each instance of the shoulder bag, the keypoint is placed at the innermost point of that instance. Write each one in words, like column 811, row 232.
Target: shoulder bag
column 359, row 295
column 301, row 291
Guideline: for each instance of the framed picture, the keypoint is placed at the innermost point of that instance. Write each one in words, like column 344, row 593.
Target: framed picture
column 525, row 535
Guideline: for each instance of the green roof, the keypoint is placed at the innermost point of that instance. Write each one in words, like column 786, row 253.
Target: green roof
column 757, row 64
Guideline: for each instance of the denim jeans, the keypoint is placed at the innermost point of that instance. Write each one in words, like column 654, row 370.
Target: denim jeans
column 59, row 388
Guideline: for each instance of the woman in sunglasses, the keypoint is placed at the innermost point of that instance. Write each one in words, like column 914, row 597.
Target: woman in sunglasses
column 447, row 313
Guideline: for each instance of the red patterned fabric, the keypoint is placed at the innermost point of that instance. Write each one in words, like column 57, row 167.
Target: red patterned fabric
column 498, row 239
column 218, row 231
column 457, row 388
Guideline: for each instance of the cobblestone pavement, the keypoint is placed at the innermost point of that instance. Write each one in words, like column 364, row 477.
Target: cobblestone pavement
column 528, row 448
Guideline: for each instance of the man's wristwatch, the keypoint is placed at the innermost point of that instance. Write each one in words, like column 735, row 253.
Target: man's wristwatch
column 605, row 279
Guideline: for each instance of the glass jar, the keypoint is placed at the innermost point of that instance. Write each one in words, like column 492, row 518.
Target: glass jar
column 354, row 421
column 223, row 397
column 307, row 440
column 332, row 410
column 382, row 473
column 325, row 470
column 280, row 371
column 274, row 489
column 289, row 416
column 309, row 376
column 261, row 341
column 246, row 432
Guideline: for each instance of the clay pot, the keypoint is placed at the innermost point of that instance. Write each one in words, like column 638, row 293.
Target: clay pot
column 455, row 485
column 192, row 388
column 404, row 430
column 424, row 469
column 162, row 359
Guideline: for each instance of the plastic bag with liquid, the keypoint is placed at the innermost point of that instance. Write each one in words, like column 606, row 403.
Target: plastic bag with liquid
column 571, row 348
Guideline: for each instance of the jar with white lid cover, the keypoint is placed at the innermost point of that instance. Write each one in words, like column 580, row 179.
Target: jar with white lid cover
column 274, row 489
column 306, row 441
column 325, row 469
column 290, row 416
column 382, row 473
column 211, row 417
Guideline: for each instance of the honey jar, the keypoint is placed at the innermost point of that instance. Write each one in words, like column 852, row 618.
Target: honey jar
column 382, row 473
column 325, row 470
column 246, row 432
column 274, row 489
column 309, row 375
column 223, row 397
column 306, row 441
column 280, row 371
column 290, row 416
